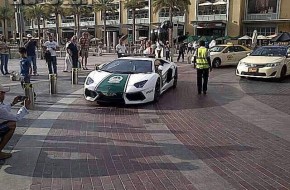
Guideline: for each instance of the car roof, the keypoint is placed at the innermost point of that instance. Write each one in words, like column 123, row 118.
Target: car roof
column 274, row 46
column 139, row 58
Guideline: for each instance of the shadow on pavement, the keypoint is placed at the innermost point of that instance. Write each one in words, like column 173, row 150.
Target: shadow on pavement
column 70, row 158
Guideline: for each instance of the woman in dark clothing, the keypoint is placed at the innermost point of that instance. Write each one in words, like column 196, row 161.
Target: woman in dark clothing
column 73, row 51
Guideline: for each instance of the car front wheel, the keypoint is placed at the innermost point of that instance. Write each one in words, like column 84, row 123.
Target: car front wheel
column 216, row 62
column 283, row 73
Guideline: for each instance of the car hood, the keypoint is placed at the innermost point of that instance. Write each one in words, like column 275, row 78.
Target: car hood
column 116, row 83
column 262, row 59
column 134, row 78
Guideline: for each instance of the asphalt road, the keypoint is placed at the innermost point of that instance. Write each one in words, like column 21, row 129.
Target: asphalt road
column 235, row 137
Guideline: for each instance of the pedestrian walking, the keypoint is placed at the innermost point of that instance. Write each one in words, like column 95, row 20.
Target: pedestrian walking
column 202, row 62
column 84, row 49
column 181, row 51
column 31, row 46
column 4, row 52
column 212, row 43
column 8, row 119
column 167, row 50
column 189, row 47
column 120, row 48
column 158, row 48
column 72, row 50
column 50, row 55
column 67, row 59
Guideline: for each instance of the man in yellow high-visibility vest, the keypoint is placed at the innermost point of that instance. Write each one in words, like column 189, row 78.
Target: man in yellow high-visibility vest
column 202, row 62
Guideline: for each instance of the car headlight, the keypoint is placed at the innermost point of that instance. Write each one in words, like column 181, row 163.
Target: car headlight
column 140, row 84
column 89, row 81
column 272, row 64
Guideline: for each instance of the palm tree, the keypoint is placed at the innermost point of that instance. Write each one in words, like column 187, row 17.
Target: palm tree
column 78, row 10
column 133, row 5
column 104, row 6
column 36, row 12
column 6, row 14
column 171, row 5
column 55, row 7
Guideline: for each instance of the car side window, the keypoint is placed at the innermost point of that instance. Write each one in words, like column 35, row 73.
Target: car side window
column 239, row 48
column 229, row 49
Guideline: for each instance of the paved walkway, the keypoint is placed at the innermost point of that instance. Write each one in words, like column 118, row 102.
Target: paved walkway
column 236, row 137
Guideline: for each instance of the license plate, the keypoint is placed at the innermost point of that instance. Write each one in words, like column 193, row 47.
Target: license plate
column 253, row 70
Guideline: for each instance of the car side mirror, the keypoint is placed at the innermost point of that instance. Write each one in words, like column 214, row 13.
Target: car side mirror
column 160, row 68
column 288, row 55
column 248, row 54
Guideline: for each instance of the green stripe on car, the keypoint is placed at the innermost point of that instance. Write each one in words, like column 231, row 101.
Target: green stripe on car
column 112, row 84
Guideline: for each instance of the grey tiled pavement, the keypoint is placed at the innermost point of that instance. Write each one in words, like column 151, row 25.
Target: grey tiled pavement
column 236, row 137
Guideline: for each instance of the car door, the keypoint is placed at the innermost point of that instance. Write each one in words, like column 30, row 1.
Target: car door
column 240, row 53
column 228, row 56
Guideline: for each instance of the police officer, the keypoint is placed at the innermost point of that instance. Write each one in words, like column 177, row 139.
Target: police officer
column 201, row 60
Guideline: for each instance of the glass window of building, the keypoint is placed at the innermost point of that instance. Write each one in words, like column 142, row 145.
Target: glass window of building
column 265, row 31
column 113, row 15
column 262, row 6
column 165, row 12
column 212, row 7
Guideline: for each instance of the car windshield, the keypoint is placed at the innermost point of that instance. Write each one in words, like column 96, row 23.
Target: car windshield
column 270, row 51
column 128, row 66
column 217, row 49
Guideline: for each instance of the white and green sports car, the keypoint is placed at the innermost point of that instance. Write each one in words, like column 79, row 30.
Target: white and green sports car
column 130, row 80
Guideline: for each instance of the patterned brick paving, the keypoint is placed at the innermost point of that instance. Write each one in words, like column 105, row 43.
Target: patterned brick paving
column 95, row 147
column 104, row 148
column 245, row 155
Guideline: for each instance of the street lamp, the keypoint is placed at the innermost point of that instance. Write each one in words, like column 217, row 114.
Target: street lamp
column 20, row 26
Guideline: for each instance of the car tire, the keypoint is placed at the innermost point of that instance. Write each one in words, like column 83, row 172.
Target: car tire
column 175, row 79
column 157, row 91
column 216, row 62
column 283, row 73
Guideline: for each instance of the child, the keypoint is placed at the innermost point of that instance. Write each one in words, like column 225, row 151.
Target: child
column 25, row 67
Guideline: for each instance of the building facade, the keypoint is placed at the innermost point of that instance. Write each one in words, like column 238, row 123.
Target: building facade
column 205, row 18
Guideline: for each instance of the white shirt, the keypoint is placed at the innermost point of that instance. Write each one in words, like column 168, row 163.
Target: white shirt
column 212, row 43
column 49, row 45
column 147, row 51
column 158, row 46
column 121, row 48
column 6, row 115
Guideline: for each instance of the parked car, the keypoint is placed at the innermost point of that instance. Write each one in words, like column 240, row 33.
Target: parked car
column 227, row 54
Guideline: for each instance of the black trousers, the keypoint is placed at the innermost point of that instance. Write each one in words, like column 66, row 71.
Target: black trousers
column 180, row 54
column 202, row 74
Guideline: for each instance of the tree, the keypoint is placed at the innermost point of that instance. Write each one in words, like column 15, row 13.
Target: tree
column 133, row 5
column 171, row 5
column 55, row 7
column 6, row 14
column 104, row 6
column 78, row 10
column 36, row 12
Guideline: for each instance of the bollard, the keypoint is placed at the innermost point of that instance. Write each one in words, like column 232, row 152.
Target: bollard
column 29, row 92
column 52, row 84
column 97, row 66
column 75, row 75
